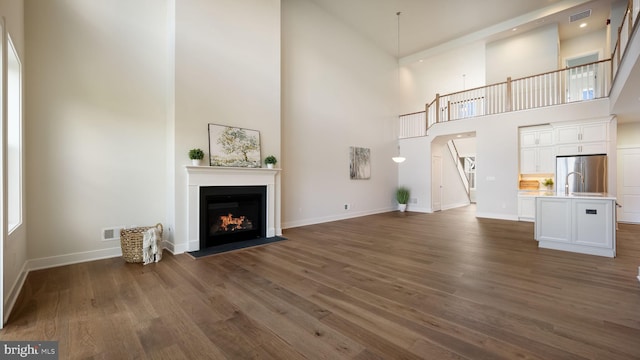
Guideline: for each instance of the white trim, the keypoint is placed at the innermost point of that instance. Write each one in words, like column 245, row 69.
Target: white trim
column 175, row 249
column 73, row 258
column 12, row 297
column 497, row 216
column 413, row 208
column 454, row 206
column 325, row 219
column 50, row 262
column 200, row 176
column 576, row 248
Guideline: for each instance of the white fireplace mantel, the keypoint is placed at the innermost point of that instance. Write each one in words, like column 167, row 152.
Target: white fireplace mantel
column 198, row 176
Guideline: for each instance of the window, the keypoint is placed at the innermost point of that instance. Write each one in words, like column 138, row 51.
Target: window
column 470, row 170
column 14, row 137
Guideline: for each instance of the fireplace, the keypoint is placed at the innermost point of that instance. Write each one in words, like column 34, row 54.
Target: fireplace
column 217, row 176
column 232, row 213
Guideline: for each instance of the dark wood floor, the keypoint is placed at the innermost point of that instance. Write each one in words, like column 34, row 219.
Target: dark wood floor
column 388, row 286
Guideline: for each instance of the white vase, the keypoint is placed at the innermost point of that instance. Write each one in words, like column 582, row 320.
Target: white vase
column 402, row 207
column 269, row 166
column 196, row 162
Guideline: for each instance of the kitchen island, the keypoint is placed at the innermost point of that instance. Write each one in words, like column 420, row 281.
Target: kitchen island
column 578, row 222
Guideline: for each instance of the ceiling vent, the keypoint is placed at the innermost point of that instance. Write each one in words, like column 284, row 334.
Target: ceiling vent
column 580, row 15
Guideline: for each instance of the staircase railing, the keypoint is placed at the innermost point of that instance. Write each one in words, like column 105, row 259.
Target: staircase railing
column 453, row 150
column 571, row 84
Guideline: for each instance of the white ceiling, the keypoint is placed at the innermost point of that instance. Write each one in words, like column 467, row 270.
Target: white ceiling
column 425, row 24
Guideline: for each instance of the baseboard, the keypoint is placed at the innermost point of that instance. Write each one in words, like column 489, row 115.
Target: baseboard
column 454, row 206
column 324, row 219
column 497, row 216
column 73, row 258
column 15, row 292
column 50, row 262
column 175, row 249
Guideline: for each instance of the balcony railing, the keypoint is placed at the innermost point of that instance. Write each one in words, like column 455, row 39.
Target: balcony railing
column 577, row 83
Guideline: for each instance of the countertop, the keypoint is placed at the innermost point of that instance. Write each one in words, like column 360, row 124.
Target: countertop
column 577, row 195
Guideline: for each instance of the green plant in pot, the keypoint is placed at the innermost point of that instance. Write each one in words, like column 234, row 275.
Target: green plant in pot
column 548, row 183
column 196, row 156
column 402, row 196
column 270, row 161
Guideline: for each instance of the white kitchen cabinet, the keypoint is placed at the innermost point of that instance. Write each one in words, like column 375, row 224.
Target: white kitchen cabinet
column 592, row 223
column 578, row 224
column 536, row 136
column 553, row 219
column 526, row 208
column 582, row 139
column 538, row 160
column 590, row 132
column 582, row 148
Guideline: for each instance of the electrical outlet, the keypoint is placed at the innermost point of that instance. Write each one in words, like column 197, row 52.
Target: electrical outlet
column 347, row 206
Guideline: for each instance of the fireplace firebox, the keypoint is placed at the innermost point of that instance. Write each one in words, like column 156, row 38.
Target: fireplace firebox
column 231, row 213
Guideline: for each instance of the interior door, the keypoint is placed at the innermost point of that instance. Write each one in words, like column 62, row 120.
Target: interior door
column 436, row 183
column 629, row 185
column 581, row 80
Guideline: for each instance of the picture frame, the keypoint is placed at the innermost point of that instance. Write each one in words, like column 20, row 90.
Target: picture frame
column 231, row 146
column 359, row 163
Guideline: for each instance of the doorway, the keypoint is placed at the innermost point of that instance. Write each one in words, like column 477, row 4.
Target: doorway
column 582, row 78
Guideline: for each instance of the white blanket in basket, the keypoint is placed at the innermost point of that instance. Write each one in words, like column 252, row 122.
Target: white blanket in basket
column 151, row 252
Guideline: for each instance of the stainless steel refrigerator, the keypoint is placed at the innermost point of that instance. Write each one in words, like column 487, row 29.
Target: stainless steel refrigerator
column 592, row 170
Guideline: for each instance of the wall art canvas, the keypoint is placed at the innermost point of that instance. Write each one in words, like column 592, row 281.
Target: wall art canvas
column 233, row 147
column 360, row 164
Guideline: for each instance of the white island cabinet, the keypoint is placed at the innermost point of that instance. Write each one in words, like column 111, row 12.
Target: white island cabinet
column 578, row 223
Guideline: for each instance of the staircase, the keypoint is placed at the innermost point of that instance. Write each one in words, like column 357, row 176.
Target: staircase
column 460, row 166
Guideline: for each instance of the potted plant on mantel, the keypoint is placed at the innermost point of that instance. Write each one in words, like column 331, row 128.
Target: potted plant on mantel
column 270, row 161
column 196, row 156
column 402, row 195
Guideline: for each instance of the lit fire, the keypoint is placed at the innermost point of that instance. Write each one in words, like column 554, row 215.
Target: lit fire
column 231, row 223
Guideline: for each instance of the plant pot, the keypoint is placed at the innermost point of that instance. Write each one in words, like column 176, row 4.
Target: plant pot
column 196, row 162
column 269, row 166
column 402, row 207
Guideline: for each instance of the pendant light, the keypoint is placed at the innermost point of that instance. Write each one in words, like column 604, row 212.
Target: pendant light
column 398, row 159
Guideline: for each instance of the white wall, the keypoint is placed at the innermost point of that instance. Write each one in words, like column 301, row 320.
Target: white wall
column 338, row 91
column 442, row 74
column 14, row 251
column 594, row 41
column 496, row 153
column 95, row 123
column 521, row 55
column 227, row 71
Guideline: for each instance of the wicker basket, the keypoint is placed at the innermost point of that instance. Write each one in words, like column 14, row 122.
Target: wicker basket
column 131, row 242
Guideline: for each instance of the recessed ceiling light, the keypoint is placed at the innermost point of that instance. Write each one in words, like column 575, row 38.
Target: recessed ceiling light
column 514, row 29
column 583, row 25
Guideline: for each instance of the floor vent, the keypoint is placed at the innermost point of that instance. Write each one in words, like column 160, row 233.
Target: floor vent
column 580, row 15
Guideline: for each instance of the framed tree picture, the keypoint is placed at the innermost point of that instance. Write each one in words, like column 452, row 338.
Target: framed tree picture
column 360, row 163
column 233, row 146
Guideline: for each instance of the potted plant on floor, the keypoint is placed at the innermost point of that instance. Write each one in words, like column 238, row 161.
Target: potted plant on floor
column 196, row 156
column 270, row 161
column 402, row 195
